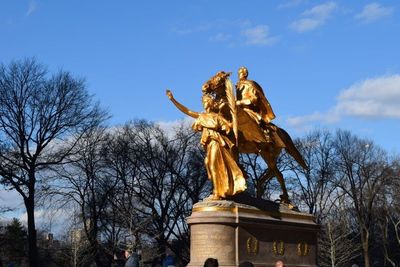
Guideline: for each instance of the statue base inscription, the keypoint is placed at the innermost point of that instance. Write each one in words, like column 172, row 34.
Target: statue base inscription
column 248, row 229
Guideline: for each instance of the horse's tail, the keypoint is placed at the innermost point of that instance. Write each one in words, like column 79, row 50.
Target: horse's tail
column 291, row 148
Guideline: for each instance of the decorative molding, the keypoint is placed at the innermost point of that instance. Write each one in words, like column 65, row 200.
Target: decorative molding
column 252, row 245
column 278, row 247
column 303, row 249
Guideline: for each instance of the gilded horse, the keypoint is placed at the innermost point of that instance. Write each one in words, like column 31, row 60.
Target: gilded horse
column 266, row 141
column 248, row 135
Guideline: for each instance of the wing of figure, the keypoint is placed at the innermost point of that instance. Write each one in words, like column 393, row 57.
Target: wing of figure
column 232, row 107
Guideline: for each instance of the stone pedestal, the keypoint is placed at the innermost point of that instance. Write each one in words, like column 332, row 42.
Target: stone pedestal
column 258, row 231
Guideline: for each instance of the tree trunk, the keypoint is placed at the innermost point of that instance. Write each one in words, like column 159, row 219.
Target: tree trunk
column 366, row 257
column 386, row 242
column 32, row 245
column 365, row 246
column 333, row 246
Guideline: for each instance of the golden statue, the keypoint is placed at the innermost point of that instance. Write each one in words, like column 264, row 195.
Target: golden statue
column 222, row 168
column 248, row 116
column 251, row 98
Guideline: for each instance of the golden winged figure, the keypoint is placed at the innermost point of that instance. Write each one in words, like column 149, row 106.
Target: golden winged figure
column 239, row 124
column 222, row 169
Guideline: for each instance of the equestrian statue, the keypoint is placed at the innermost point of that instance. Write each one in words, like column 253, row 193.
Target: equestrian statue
column 238, row 121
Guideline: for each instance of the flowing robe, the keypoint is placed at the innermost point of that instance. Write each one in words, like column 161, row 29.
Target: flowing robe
column 222, row 169
column 259, row 109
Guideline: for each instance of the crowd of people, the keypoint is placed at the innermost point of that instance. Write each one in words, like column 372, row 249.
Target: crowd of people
column 133, row 260
column 211, row 262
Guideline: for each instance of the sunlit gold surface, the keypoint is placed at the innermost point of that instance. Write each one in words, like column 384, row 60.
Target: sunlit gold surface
column 251, row 98
column 222, row 168
column 238, row 123
column 214, row 209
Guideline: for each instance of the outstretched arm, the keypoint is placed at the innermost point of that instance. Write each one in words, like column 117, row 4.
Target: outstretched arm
column 181, row 107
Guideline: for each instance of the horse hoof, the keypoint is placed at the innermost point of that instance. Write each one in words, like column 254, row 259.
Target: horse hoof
column 212, row 197
column 284, row 199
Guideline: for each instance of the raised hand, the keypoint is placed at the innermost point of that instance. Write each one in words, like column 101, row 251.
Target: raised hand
column 169, row 94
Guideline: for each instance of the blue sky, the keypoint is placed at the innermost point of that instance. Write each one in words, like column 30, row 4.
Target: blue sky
column 333, row 64
column 305, row 54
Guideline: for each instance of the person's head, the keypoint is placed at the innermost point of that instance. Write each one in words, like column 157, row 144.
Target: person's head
column 128, row 253
column 243, row 73
column 211, row 262
column 279, row 264
column 208, row 103
column 246, row 264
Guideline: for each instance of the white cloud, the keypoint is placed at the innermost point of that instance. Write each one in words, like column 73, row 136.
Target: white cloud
column 307, row 24
column 31, row 8
column 314, row 17
column 321, row 11
column 170, row 127
column 258, row 35
column 233, row 32
column 303, row 122
column 373, row 12
column 53, row 220
column 39, row 215
column 376, row 97
column 220, row 37
column 10, row 199
column 372, row 98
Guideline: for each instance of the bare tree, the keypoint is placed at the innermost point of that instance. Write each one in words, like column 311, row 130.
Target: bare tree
column 389, row 217
column 41, row 119
column 165, row 167
column 316, row 184
column 85, row 183
column 162, row 176
column 348, row 175
column 5, row 209
column 255, row 169
column 318, row 194
column 135, row 184
column 259, row 178
column 339, row 237
column 362, row 173
column 124, row 223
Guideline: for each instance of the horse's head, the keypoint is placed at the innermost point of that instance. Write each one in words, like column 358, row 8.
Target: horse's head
column 216, row 84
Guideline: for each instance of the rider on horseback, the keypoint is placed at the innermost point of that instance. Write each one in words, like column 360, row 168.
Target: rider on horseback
column 248, row 116
column 251, row 98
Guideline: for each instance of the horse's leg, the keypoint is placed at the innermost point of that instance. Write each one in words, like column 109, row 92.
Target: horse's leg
column 271, row 157
column 261, row 182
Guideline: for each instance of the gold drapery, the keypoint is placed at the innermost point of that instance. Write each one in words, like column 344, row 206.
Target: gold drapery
column 222, row 169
